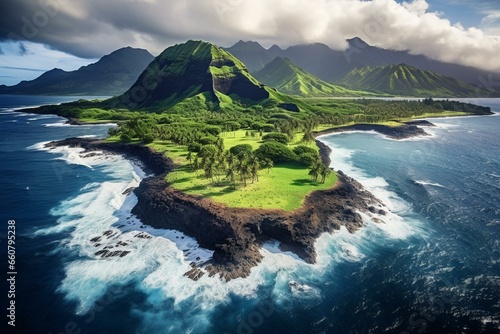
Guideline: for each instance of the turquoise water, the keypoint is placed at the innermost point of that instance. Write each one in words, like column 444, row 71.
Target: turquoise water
column 431, row 266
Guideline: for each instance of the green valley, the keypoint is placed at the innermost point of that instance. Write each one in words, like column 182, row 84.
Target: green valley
column 288, row 78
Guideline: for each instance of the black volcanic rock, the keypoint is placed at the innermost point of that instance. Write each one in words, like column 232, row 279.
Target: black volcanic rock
column 234, row 234
column 111, row 75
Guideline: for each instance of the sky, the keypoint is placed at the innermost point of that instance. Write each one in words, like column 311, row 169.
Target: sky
column 38, row 35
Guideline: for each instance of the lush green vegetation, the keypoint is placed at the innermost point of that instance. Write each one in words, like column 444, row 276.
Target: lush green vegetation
column 233, row 139
column 232, row 173
column 405, row 80
column 261, row 157
column 288, row 78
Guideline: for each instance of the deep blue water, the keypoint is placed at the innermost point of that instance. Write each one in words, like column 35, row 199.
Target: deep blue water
column 432, row 266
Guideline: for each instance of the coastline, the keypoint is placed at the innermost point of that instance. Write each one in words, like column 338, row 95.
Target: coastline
column 404, row 131
column 236, row 234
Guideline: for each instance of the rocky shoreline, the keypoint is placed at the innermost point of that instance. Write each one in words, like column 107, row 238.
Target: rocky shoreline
column 404, row 131
column 236, row 234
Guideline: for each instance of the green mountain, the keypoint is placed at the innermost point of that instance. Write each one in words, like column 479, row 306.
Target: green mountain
column 194, row 75
column 111, row 75
column 405, row 80
column 288, row 78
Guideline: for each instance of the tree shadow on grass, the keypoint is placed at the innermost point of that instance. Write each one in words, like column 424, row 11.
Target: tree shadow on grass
column 181, row 180
column 303, row 182
column 226, row 190
column 195, row 188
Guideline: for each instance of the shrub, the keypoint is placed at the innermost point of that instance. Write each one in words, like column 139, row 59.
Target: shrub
column 194, row 147
column 268, row 128
column 213, row 130
column 231, row 125
column 257, row 125
column 113, row 131
column 207, row 140
column 307, row 159
column 241, row 149
column 148, row 138
column 207, row 151
column 126, row 137
column 275, row 151
column 304, row 149
column 275, row 136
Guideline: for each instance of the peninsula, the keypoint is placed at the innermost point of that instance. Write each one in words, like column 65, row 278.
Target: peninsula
column 236, row 162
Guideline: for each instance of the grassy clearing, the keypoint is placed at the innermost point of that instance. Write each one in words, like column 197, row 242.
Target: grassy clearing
column 283, row 187
column 442, row 114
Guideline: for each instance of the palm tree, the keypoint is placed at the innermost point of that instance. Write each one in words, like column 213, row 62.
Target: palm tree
column 195, row 165
column 220, row 166
column 268, row 163
column 231, row 175
column 244, row 170
column 314, row 170
column 209, row 171
column 308, row 137
column 220, row 144
column 324, row 172
column 254, row 168
column 230, row 160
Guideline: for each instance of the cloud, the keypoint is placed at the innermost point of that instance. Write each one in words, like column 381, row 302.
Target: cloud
column 92, row 28
column 22, row 49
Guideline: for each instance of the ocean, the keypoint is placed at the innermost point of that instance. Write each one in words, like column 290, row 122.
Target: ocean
column 431, row 266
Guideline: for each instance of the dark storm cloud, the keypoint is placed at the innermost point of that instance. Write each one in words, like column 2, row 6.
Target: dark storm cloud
column 92, row 28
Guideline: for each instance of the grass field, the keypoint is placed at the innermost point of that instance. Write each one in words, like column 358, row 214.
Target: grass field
column 283, row 187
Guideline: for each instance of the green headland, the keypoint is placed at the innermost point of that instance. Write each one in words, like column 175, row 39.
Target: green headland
column 233, row 139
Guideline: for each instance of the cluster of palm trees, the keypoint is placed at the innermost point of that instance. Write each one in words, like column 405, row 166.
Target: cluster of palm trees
column 319, row 171
column 219, row 165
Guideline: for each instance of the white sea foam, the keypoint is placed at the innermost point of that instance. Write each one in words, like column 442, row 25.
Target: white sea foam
column 57, row 124
column 429, row 183
column 64, row 123
column 39, row 146
column 158, row 258
column 40, row 117
column 395, row 223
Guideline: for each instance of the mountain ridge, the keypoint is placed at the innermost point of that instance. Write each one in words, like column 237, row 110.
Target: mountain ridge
column 407, row 80
column 195, row 72
column 286, row 77
column 111, row 75
column 331, row 66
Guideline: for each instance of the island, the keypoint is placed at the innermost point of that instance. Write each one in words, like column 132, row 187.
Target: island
column 236, row 163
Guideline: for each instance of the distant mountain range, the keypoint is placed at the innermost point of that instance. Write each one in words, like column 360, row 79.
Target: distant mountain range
column 405, row 80
column 201, row 74
column 286, row 77
column 111, row 75
column 332, row 66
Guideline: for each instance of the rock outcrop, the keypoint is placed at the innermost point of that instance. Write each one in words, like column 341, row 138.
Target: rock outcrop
column 235, row 234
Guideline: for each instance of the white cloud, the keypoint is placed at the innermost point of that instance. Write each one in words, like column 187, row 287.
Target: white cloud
column 96, row 27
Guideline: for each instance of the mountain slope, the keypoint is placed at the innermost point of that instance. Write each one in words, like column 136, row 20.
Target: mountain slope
column 253, row 55
column 288, row 78
column 111, row 75
column 407, row 80
column 330, row 65
column 196, row 73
